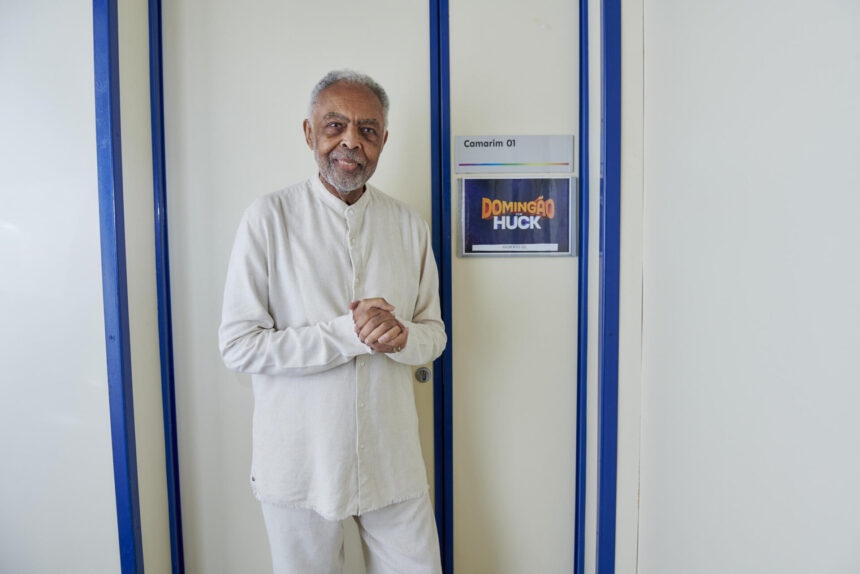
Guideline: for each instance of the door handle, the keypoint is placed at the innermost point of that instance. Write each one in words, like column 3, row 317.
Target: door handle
column 422, row 374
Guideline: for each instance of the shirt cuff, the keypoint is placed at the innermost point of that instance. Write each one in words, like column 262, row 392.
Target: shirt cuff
column 344, row 329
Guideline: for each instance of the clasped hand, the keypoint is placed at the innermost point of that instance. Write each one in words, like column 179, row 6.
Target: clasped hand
column 377, row 327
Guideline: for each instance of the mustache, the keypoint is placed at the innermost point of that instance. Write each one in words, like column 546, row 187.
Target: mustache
column 348, row 155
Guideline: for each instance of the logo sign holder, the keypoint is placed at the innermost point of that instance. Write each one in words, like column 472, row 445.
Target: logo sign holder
column 520, row 217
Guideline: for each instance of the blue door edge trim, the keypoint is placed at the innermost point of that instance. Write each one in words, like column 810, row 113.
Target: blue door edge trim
column 582, row 314
column 115, row 283
column 610, row 261
column 440, row 142
column 162, row 272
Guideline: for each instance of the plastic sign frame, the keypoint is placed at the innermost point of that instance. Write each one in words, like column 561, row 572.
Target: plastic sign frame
column 518, row 216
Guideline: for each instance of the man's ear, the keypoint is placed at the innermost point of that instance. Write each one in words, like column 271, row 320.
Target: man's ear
column 309, row 135
column 384, row 140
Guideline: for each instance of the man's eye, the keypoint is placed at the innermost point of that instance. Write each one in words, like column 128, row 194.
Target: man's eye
column 333, row 125
column 369, row 130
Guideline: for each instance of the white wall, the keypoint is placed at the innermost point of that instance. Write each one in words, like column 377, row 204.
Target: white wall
column 57, row 505
column 750, row 427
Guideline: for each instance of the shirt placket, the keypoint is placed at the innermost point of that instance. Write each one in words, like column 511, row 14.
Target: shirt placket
column 361, row 363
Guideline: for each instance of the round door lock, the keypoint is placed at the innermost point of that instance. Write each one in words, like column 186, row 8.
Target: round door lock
column 422, row 374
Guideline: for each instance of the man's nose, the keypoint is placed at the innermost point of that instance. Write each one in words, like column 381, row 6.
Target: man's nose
column 350, row 137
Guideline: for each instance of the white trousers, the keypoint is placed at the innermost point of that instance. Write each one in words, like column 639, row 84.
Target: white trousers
column 397, row 539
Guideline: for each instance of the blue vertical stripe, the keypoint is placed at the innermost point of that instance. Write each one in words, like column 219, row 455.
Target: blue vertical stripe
column 610, row 260
column 440, row 143
column 582, row 327
column 114, row 283
column 162, row 271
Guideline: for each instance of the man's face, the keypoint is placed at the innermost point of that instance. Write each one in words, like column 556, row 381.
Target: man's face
column 346, row 132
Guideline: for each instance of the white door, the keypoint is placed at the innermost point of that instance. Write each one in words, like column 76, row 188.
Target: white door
column 237, row 82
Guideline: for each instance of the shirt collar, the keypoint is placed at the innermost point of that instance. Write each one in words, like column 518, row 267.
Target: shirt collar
column 337, row 204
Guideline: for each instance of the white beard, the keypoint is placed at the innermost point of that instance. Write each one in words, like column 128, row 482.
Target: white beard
column 343, row 183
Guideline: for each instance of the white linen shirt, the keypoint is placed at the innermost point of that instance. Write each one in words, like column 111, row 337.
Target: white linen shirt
column 335, row 427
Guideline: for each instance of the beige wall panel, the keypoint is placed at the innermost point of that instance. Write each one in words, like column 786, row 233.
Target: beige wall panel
column 630, row 304
column 133, row 24
column 594, row 93
column 514, row 70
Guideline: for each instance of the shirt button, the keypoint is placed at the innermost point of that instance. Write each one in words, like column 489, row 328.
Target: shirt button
column 361, row 363
column 361, row 446
column 361, row 405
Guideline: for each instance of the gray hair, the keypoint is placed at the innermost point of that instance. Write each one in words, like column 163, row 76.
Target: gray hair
column 350, row 77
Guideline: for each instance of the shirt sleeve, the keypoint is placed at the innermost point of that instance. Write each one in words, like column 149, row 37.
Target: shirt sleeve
column 427, row 338
column 248, row 341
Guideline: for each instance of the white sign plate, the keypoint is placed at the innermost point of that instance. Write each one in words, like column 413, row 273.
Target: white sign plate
column 513, row 154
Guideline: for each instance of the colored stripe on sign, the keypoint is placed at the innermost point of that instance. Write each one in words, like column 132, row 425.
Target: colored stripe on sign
column 476, row 164
column 517, row 247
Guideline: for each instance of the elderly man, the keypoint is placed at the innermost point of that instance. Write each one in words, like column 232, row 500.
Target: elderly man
column 331, row 298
